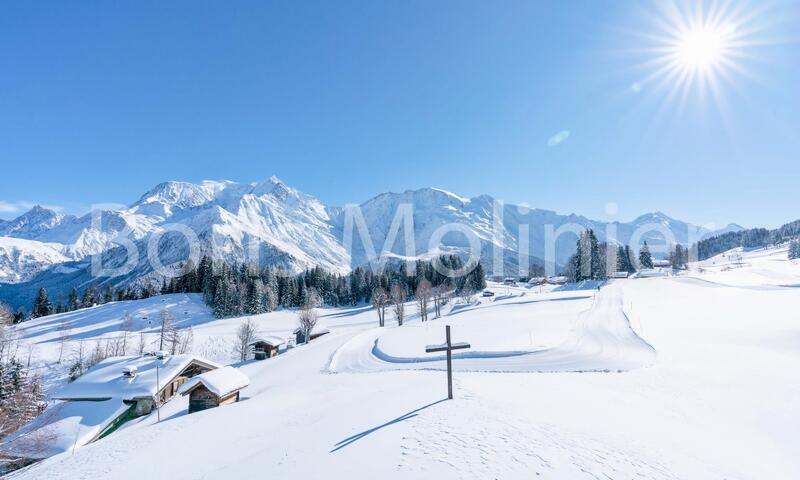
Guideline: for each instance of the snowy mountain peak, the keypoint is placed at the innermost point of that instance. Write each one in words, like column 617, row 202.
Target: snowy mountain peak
column 32, row 223
column 275, row 187
column 181, row 194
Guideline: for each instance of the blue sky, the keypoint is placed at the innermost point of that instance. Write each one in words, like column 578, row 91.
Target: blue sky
column 544, row 103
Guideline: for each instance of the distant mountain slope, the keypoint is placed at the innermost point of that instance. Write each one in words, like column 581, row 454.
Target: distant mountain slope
column 21, row 260
column 270, row 223
column 748, row 238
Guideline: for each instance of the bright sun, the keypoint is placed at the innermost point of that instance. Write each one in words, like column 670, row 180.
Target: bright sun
column 695, row 47
column 700, row 48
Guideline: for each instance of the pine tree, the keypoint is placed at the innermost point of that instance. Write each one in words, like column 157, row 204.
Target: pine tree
column 41, row 306
column 88, row 298
column 72, row 301
column 645, row 258
column 794, row 250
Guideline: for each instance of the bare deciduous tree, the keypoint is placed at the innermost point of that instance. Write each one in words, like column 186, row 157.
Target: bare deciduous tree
column 63, row 336
column 380, row 300
column 467, row 295
column 313, row 298
column 423, row 297
column 245, row 335
column 19, row 406
column 167, row 332
column 307, row 319
column 186, row 340
column 6, row 315
column 78, row 361
column 142, row 343
column 441, row 294
column 127, row 327
column 398, row 298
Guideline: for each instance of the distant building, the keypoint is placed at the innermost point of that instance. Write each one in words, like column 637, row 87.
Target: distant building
column 300, row 337
column 557, row 280
column 101, row 400
column 266, row 347
column 652, row 273
column 215, row 388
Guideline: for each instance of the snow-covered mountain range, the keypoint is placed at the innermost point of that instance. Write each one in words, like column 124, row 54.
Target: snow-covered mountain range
column 270, row 223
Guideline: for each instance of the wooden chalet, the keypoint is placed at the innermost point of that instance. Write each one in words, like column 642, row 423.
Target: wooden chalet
column 215, row 388
column 266, row 347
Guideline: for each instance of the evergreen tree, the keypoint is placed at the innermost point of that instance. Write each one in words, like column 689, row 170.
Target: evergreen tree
column 41, row 306
column 587, row 263
column 645, row 258
column 72, row 301
column 88, row 298
column 794, row 250
column 679, row 257
column 629, row 263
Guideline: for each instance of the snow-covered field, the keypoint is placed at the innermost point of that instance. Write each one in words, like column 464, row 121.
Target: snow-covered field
column 689, row 377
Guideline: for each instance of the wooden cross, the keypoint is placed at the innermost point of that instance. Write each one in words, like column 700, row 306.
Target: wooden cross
column 448, row 347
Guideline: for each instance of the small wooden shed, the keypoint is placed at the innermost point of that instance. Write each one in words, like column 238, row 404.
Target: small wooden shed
column 266, row 347
column 300, row 337
column 215, row 388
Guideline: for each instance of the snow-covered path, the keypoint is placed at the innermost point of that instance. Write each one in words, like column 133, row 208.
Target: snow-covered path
column 602, row 340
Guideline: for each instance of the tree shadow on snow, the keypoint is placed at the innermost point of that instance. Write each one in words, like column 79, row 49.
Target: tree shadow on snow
column 413, row 413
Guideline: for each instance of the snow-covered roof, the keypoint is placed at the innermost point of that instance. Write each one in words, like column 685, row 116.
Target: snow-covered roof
column 560, row 279
column 106, row 380
column 62, row 427
column 220, row 382
column 651, row 272
column 314, row 331
column 269, row 340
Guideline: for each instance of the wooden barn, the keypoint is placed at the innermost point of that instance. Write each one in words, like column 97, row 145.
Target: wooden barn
column 300, row 337
column 215, row 388
column 266, row 347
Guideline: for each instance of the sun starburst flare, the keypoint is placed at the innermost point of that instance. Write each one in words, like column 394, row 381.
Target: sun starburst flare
column 696, row 48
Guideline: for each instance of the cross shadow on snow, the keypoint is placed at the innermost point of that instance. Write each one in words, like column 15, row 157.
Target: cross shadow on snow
column 413, row 413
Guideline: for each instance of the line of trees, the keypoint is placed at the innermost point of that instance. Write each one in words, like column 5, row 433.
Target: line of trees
column 750, row 238
column 91, row 296
column 594, row 260
column 235, row 290
column 244, row 289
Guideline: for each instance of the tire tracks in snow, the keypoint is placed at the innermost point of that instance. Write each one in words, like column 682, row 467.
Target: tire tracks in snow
column 603, row 341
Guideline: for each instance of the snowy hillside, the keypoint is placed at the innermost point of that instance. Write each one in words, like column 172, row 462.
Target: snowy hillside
column 659, row 378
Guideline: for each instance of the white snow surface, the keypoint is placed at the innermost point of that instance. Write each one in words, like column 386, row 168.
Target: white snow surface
column 63, row 427
column 220, row 382
column 699, row 386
